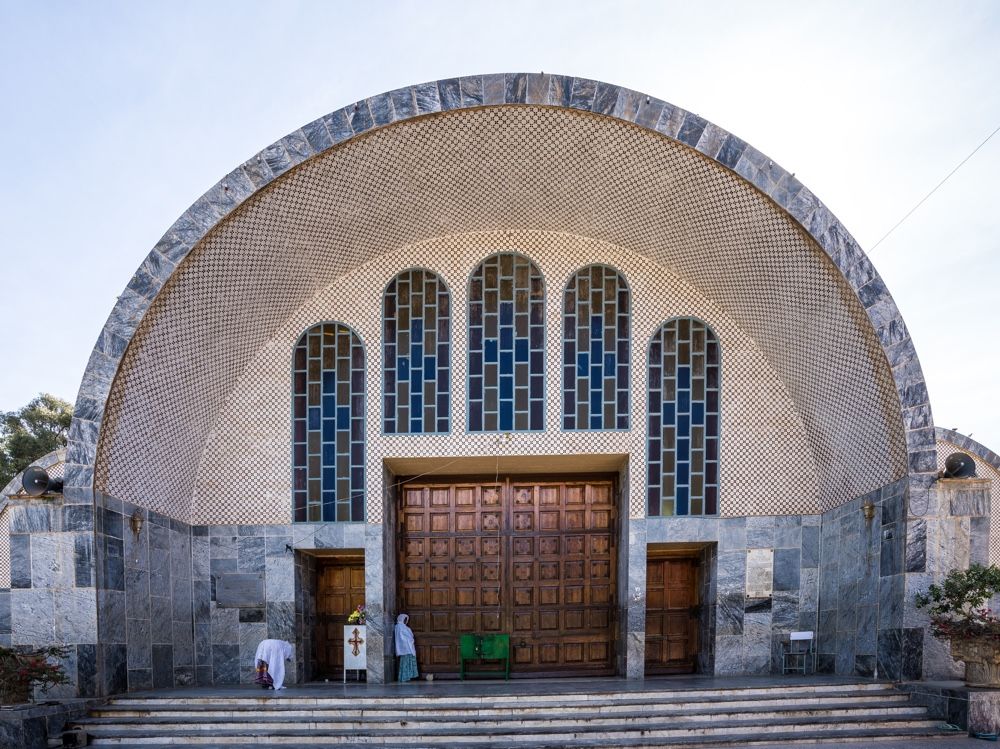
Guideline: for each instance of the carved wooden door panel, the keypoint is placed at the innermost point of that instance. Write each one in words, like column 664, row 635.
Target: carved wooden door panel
column 533, row 559
column 340, row 588
column 671, row 615
column 562, row 572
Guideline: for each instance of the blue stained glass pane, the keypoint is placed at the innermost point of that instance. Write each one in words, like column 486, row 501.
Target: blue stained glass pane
column 697, row 413
column 417, row 353
column 403, row 368
column 506, row 388
column 417, row 404
column 596, row 326
column 314, row 418
column 476, row 366
column 329, row 382
column 506, row 339
column 476, row 388
column 595, row 421
column 521, row 350
column 442, row 384
column 653, row 400
column 329, row 430
column 417, row 328
column 681, row 508
column 475, row 417
column 596, row 350
column 506, row 363
column 429, row 366
column 330, row 476
column 506, row 313
column 582, row 364
column 684, row 377
column 684, row 401
column 669, row 412
column 343, row 417
column 683, row 473
column 595, row 402
column 537, row 387
column 417, row 379
column 491, row 351
column 537, row 361
column 683, row 449
column 506, row 416
column 417, row 425
column 684, row 425
column 609, row 365
column 329, row 453
column 595, row 375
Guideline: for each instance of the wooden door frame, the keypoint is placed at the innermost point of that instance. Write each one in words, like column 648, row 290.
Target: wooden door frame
column 327, row 558
column 508, row 479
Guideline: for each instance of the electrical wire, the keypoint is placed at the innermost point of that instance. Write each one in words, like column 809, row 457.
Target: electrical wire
column 938, row 185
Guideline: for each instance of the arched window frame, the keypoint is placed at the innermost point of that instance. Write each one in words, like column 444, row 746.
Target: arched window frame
column 390, row 373
column 661, row 497
column 570, row 339
column 478, row 338
column 310, row 427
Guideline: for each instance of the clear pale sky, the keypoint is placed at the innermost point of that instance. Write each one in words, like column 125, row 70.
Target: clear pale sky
column 116, row 116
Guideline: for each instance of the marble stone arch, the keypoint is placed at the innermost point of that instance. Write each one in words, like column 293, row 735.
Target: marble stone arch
column 166, row 262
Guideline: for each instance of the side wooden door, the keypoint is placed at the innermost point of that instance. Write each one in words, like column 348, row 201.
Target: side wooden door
column 671, row 615
column 340, row 588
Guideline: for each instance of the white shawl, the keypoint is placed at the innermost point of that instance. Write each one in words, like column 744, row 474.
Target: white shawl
column 404, row 637
column 275, row 653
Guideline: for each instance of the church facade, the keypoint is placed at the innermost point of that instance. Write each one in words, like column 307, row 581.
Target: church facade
column 514, row 354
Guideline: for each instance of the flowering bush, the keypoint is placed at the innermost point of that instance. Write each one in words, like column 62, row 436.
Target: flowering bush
column 22, row 669
column 358, row 616
column 957, row 606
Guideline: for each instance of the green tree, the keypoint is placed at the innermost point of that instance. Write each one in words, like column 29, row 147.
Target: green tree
column 31, row 432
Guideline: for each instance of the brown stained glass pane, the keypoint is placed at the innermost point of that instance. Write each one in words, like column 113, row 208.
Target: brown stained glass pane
column 667, row 508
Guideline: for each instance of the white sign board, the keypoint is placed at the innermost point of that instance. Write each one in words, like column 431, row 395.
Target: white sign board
column 355, row 647
column 760, row 573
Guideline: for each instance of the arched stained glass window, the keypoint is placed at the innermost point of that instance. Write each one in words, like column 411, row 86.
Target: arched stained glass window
column 328, row 417
column 506, row 345
column 683, row 418
column 596, row 350
column 416, row 354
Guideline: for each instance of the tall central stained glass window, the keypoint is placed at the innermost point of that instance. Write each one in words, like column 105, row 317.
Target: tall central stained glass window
column 328, row 424
column 596, row 350
column 416, row 354
column 506, row 345
column 683, row 419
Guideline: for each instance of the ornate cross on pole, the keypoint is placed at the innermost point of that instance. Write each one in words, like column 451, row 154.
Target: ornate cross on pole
column 356, row 642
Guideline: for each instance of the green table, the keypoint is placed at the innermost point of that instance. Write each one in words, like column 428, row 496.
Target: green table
column 484, row 648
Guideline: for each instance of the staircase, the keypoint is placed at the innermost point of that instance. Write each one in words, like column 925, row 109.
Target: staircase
column 527, row 715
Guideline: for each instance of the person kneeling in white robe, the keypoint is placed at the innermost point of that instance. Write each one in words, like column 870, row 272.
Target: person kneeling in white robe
column 271, row 656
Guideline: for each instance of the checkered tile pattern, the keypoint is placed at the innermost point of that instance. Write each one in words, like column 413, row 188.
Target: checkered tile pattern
column 197, row 423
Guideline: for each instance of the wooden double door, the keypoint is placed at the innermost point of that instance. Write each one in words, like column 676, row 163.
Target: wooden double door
column 534, row 559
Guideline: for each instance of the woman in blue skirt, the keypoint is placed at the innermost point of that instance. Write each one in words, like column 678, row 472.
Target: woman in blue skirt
column 405, row 649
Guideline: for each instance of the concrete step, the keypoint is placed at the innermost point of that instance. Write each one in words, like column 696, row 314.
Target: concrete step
column 293, row 707
column 556, row 718
column 363, row 719
column 601, row 696
column 510, row 736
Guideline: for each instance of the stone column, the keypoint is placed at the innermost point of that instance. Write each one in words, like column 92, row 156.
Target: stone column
column 950, row 533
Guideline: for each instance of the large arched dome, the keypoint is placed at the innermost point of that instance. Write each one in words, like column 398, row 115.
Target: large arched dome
column 186, row 388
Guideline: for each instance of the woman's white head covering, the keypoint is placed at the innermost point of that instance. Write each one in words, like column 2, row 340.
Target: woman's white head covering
column 404, row 637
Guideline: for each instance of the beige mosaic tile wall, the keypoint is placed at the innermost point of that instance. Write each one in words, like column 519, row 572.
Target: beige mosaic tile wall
column 516, row 169
column 986, row 471
column 761, row 433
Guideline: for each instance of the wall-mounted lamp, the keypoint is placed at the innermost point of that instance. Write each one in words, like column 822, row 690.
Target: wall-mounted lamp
column 135, row 523
column 868, row 509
